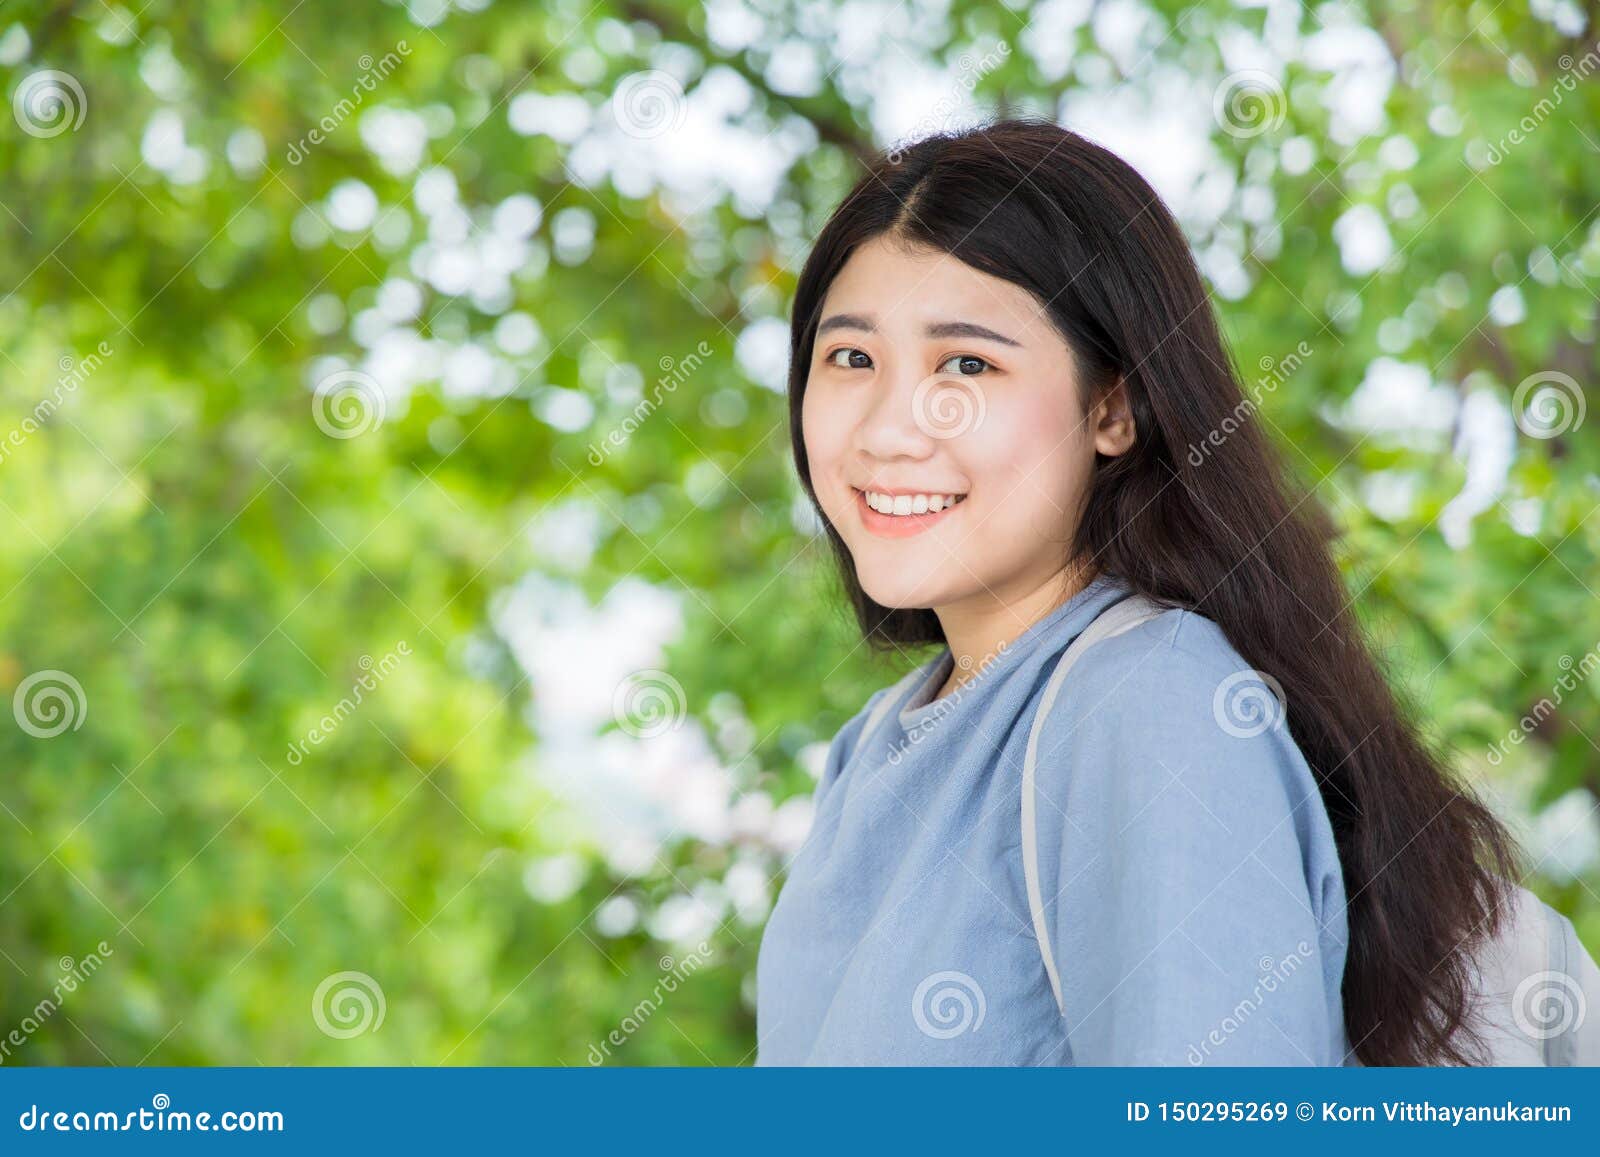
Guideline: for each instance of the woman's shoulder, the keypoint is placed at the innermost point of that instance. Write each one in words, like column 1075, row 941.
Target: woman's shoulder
column 1175, row 655
column 1166, row 735
column 1175, row 695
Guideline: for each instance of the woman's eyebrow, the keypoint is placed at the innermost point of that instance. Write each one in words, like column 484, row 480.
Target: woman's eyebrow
column 866, row 324
column 968, row 329
column 847, row 321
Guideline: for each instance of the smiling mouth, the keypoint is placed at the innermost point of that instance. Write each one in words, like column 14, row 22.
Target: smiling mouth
column 916, row 512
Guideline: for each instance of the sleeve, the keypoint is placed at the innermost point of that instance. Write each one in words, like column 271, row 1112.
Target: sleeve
column 1192, row 875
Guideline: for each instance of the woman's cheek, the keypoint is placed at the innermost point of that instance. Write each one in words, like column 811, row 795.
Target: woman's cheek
column 814, row 431
column 825, row 439
column 1025, row 462
column 1009, row 445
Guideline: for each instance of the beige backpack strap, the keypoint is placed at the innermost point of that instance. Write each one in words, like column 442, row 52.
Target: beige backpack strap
column 1575, row 1037
column 1115, row 619
column 1536, row 991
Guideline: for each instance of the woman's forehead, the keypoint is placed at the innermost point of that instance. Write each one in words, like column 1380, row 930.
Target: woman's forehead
column 909, row 290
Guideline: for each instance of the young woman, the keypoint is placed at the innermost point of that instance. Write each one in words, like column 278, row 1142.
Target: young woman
column 1011, row 406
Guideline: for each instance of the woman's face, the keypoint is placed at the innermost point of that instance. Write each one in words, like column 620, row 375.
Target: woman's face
column 930, row 381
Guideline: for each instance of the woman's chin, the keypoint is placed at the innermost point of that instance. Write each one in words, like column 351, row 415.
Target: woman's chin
column 903, row 596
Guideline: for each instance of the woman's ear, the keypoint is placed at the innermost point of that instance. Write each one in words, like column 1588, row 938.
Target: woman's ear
column 1112, row 422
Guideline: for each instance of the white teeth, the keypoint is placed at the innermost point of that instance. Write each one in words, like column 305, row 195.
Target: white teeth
column 903, row 504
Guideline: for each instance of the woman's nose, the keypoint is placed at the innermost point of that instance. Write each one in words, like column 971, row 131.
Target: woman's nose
column 896, row 426
column 914, row 413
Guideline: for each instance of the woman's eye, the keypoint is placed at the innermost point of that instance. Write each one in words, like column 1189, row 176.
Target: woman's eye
column 966, row 365
column 854, row 359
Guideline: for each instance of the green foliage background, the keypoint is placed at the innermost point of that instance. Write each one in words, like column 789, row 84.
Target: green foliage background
column 184, row 541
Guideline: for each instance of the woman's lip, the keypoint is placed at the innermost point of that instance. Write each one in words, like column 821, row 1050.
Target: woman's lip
column 895, row 525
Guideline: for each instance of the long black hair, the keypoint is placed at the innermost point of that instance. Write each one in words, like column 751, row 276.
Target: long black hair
column 1224, row 532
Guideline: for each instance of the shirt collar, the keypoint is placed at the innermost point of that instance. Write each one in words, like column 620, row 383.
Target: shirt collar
column 1063, row 622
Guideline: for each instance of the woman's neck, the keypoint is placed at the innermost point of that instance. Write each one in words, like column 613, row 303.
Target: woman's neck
column 977, row 632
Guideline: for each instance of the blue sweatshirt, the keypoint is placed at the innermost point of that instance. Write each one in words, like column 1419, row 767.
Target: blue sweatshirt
column 1191, row 886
